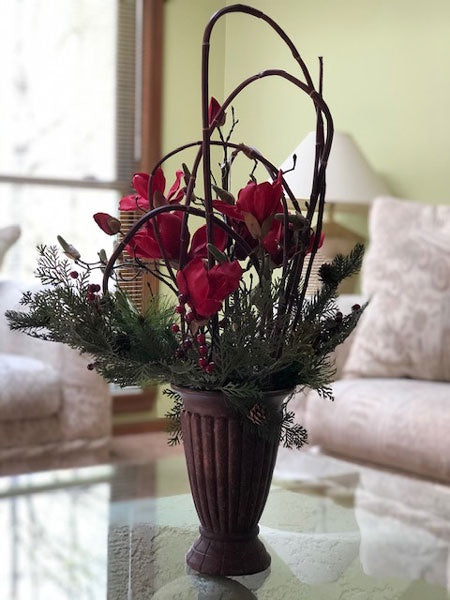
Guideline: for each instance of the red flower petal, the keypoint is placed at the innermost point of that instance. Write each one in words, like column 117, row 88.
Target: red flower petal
column 311, row 242
column 224, row 279
column 230, row 210
column 261, row 200
column 158, row 181
column 140, row 184
column 143, row 245
column 213, row 109
column 205, row 289
column 173, row 196
column 133, row 202
column 207, row 308
column 170, row 233
column 199, row 242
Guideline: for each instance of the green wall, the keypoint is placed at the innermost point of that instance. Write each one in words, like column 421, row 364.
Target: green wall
column 185, row 21
column 387, row 80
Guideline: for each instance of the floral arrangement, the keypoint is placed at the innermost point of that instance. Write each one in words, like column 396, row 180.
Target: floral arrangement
column 237, row 316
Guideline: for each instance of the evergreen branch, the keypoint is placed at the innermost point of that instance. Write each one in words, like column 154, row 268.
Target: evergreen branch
column 173, row 417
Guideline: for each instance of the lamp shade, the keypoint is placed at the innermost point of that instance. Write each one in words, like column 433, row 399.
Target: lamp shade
column 350, row 179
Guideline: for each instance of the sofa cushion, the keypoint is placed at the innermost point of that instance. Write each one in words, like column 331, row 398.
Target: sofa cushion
column 405, row 330
column 29, row 389
column 401, row 423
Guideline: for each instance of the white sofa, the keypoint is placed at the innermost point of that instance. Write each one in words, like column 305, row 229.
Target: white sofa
column 394, row 422
column 392, row 393
column 53, row 411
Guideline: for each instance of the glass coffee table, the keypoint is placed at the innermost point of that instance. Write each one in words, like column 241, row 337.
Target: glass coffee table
column 334, row 531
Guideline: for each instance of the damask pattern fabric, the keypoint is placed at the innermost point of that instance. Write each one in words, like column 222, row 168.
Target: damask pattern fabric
column 401, row 423
column 29, row 389
column 405, row 330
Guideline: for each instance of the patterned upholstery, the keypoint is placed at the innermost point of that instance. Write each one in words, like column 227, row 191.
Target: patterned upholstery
column 405, row 331
column 392, row 406
column 53, row 411
column 400, row 423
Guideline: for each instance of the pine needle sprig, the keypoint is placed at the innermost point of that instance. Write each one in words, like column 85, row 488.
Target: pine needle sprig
column 173, row 417
column 293, row 435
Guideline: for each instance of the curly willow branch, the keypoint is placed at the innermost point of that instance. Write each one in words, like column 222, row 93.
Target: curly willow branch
column 317, row 198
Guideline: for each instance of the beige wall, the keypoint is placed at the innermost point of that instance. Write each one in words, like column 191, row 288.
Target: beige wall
column 387, row 80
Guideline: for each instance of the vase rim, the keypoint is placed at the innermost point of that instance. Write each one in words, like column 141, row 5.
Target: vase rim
column 181, row 388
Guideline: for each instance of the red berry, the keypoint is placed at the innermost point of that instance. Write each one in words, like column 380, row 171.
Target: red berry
column 203, row 350
column 201, row 338
column 190, row 317
column 180, row 309
column 174, row 328
column 210, row 367
column 179, row 353
column 202, row 362
column 74, row 274
column 182, row 299
column 187, row 344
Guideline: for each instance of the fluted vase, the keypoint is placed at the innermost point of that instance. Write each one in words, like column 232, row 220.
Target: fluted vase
column 230, row 471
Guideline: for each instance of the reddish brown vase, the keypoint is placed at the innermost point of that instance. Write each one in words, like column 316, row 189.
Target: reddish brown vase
column 230, row 471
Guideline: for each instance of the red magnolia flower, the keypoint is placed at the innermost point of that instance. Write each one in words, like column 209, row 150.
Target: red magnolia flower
column 259, row 200
column 205, row 290
column 140, row 200
column 145, row 245
column 213, row 110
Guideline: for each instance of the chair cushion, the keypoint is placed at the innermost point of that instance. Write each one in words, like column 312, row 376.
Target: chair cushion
column 405, row 330
column 401, row 423
column 29, row 389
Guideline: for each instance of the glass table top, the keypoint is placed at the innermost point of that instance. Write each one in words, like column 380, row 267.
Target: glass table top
column 336, row 532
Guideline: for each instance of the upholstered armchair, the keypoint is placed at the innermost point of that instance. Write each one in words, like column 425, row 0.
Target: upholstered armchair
column 54, row 412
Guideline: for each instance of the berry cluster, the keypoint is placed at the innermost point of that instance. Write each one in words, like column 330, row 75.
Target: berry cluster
column 92, row 292
column 189, row 341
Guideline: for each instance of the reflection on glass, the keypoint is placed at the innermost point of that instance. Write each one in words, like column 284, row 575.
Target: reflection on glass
column 405, row 528
column 55, row 547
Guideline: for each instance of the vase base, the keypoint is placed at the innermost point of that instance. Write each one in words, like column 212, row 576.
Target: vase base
column 223, row 557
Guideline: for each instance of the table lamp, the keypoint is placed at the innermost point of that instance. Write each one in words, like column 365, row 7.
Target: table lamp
column 352, row 185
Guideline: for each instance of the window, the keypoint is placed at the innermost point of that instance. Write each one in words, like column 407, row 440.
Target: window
column 71, row 104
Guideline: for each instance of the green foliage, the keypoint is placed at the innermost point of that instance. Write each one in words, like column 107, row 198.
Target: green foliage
column 174, row 417
column 128, row 348
column 255, row 346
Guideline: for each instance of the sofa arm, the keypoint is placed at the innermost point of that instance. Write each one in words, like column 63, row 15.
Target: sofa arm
column 86, row 401
column 86, row 408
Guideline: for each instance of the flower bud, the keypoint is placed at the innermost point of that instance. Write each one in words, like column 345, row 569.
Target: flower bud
column 69, row 250
column 107, row 223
